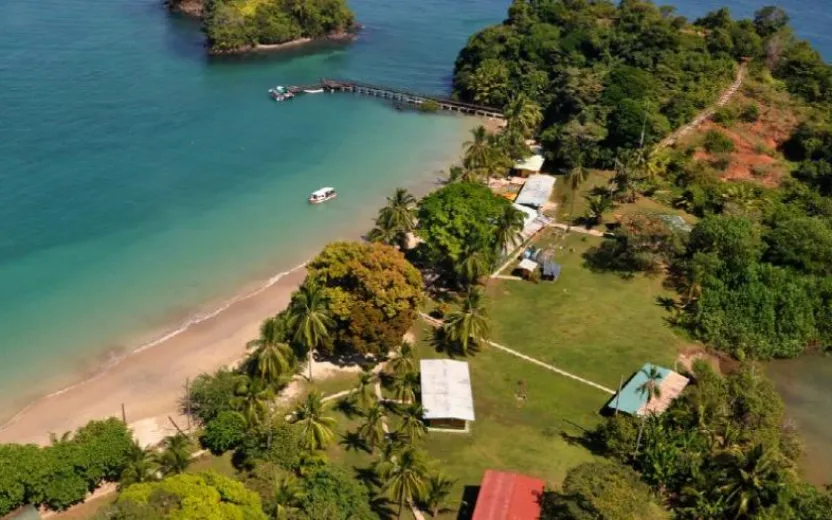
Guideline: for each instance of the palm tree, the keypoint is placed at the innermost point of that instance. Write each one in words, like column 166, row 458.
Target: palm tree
column 384, row 232
column 405, row 477
column 272, row 358
column 316, row 428
column 523, row 114
column 478, row 151
column 650, row 387
column 473, row 265
column 625, row 180
column 310, row 318
column 509, row 225
column 140, row 467
column 412, row 427
column 287, row 497
column 652, row 390
column 365, row 392
column 252, row 398
column 596, row 206
column 751, row 482
column 405, row 387
column 437, row 491
column 176, row 455
column 399, row 214
column 372, row 430
column 469, row 322
column 575, row 178
column 405, row 360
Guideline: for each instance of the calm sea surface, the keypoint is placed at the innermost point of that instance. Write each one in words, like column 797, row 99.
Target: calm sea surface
column 141, row 184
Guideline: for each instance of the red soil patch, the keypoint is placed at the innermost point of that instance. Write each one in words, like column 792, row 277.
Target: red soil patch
column 755, row 156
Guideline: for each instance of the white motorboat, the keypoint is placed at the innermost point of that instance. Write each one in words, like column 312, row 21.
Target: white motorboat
column 322, row 195
column 313, row 91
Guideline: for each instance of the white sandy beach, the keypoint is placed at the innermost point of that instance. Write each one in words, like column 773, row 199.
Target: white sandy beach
column 151, row 382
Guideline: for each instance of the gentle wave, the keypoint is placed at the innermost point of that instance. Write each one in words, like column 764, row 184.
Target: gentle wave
column 183, row 327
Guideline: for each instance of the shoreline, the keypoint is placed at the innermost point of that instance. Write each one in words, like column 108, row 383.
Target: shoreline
column 150, row 379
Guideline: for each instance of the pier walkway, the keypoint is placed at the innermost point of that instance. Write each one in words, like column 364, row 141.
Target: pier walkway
column 402, row 96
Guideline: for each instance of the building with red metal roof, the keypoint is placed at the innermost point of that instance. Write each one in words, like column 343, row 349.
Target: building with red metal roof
column 508, row 496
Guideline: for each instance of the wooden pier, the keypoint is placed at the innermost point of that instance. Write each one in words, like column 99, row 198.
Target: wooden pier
column 401, row 96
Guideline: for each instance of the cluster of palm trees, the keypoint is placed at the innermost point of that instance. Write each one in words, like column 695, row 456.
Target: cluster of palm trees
column 634, row 173
column 151, row 464
column 401, row 468
column 305, row 325
column 486, row 154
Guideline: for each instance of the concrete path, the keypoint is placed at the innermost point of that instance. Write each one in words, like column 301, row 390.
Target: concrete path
column 437, row 323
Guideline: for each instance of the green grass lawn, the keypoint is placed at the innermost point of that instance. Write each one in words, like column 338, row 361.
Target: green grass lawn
column 597, row 325
column 530, row 436
column 601, row 179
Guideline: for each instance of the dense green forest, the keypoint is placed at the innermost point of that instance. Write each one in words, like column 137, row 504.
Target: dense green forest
column 613, row 76
column 233, row 25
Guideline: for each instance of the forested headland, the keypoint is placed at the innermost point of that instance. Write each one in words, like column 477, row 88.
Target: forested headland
column 242, row 25
column 754, row 276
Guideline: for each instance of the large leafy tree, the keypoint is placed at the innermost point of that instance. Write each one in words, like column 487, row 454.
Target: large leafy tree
column 202, row 495
column 601, row 490
column 310, row 318
column 331, row 492
column 372, row 294
column 458, row 220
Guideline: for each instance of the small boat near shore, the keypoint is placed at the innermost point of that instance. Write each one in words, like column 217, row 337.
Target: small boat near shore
column 313, row 91
column 322, row 195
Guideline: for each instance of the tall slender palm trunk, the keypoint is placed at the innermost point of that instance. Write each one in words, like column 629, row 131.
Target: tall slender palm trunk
column 310, row 364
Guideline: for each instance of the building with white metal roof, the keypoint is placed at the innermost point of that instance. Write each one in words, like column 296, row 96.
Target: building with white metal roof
column 446, row 393
column 537, row 191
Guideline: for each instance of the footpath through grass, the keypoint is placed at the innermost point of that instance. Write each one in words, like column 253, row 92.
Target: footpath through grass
column 596, row 325
column 532, row 435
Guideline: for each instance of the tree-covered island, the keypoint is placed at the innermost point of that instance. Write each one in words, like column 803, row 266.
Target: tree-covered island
column 243, row 25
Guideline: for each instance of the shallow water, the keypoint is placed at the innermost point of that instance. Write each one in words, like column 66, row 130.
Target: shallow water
column 143, row 184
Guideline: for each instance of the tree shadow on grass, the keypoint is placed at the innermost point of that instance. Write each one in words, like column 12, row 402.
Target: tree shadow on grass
column 444, row 345
column 347, row 406
column 368, row 476
column 351, row 441
column 382, row 507
column 608, row 258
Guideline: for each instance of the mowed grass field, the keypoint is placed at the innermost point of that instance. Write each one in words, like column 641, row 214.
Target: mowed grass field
column 532, row 435
column 599, row 326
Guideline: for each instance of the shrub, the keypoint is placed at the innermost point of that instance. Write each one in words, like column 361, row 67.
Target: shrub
column 212, row 394
column 279, row 444
column 224, row 433
column 717, row 142
column 750, row 113
column 724, row 116
column 721, row 163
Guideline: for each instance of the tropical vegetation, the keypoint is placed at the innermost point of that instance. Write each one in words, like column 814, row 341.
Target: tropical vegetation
column 239, row 25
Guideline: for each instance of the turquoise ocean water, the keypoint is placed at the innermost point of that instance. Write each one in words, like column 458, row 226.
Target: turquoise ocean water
column 142, row 184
